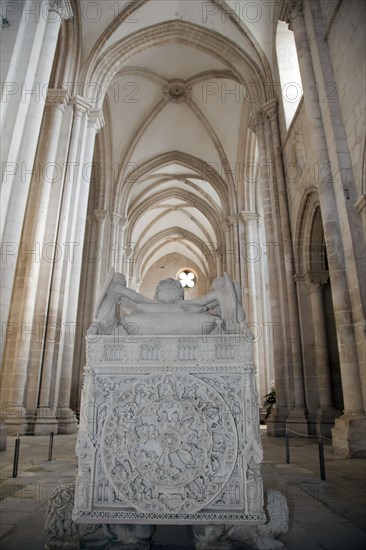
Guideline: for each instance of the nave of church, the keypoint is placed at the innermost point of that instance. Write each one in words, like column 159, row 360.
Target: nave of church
column 186, row 139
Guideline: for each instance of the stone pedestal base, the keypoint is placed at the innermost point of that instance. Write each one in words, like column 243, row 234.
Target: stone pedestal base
column 258, row 537
column 325, row 421
column 67, row 542
column 16, row 420
column 3, row 435
column 349, row 436
column 297, row 422
column 169, row 432
column 67, row 422
column 45, row 422
column 276, row 422
column 68, row 535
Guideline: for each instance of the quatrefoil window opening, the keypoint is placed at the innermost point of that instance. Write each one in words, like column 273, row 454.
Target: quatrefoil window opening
column 187, row 278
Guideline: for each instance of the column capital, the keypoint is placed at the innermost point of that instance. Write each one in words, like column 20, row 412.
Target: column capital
column 57, row 98
column 96, row 119
column 316, row 279
column 123, row 222
column 95, row 116
column 116, row 218
column 290, row 9
column 62, row 7
column 81, row 106
column 298, row 278
column 226, row 225
column 270, row 109
column 256, row 122
column 101, row 215
column 233, row 219
column 248, row 216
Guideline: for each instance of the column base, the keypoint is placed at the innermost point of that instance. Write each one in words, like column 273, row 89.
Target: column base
column 325, row 419
column 297, row 422
column 45, row 422
column 349, row 436
column 276, row 422
column 67, row 422
column 15, row 418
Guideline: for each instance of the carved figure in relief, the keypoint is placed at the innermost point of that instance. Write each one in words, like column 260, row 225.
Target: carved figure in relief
column 106, row 311
column 225, row 301
column 146, row 431
column 167, row 447
column 143, row 394
column 168, row 313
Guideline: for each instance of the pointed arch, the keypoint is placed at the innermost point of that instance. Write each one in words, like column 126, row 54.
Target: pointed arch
column 207, row 264
column 201, row 170
column 209, row 210
column 243, row 67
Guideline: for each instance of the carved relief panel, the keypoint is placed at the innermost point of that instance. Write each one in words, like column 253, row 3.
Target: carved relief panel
column 169, row 442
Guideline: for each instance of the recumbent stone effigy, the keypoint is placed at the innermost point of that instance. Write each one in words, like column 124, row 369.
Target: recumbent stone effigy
column 169, row 424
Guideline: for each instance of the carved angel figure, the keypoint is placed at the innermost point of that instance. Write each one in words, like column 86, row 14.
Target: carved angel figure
column 168, row 313
column 225, row 301
column 107, row 309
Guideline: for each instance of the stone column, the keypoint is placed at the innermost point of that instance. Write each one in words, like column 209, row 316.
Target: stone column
column 297, row 414
column 229, row 263
column 243, row 264
column 85, row 316
column 277, row 421
column 249, row 265
column 22, row 369
column 264, row 293
column 122, row 260
column 347, row 439
column 353, row 234
column 100, row 218
column 66, row 354
column 219, row 261
column 233, row 220
column 23, row 67
column 24, row 156
column 47, row 401
column 114, row 245
column 40, row 273
column 252, row 256
column 326, row 412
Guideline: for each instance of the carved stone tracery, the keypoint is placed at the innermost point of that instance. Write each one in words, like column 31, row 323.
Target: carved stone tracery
column 176, row 444
column 169, row 436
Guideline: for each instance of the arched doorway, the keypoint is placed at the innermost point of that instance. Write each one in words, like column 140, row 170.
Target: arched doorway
column 323, row 387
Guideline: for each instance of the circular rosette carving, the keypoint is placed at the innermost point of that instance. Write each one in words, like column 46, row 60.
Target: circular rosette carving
column 177, row 91
column 169, row 444
column 173, row 448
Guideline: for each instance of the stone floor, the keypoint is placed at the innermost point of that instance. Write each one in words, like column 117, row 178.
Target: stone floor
column 328, row 515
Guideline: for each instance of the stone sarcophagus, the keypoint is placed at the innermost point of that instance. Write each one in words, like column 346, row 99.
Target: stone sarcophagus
column 169, row 425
